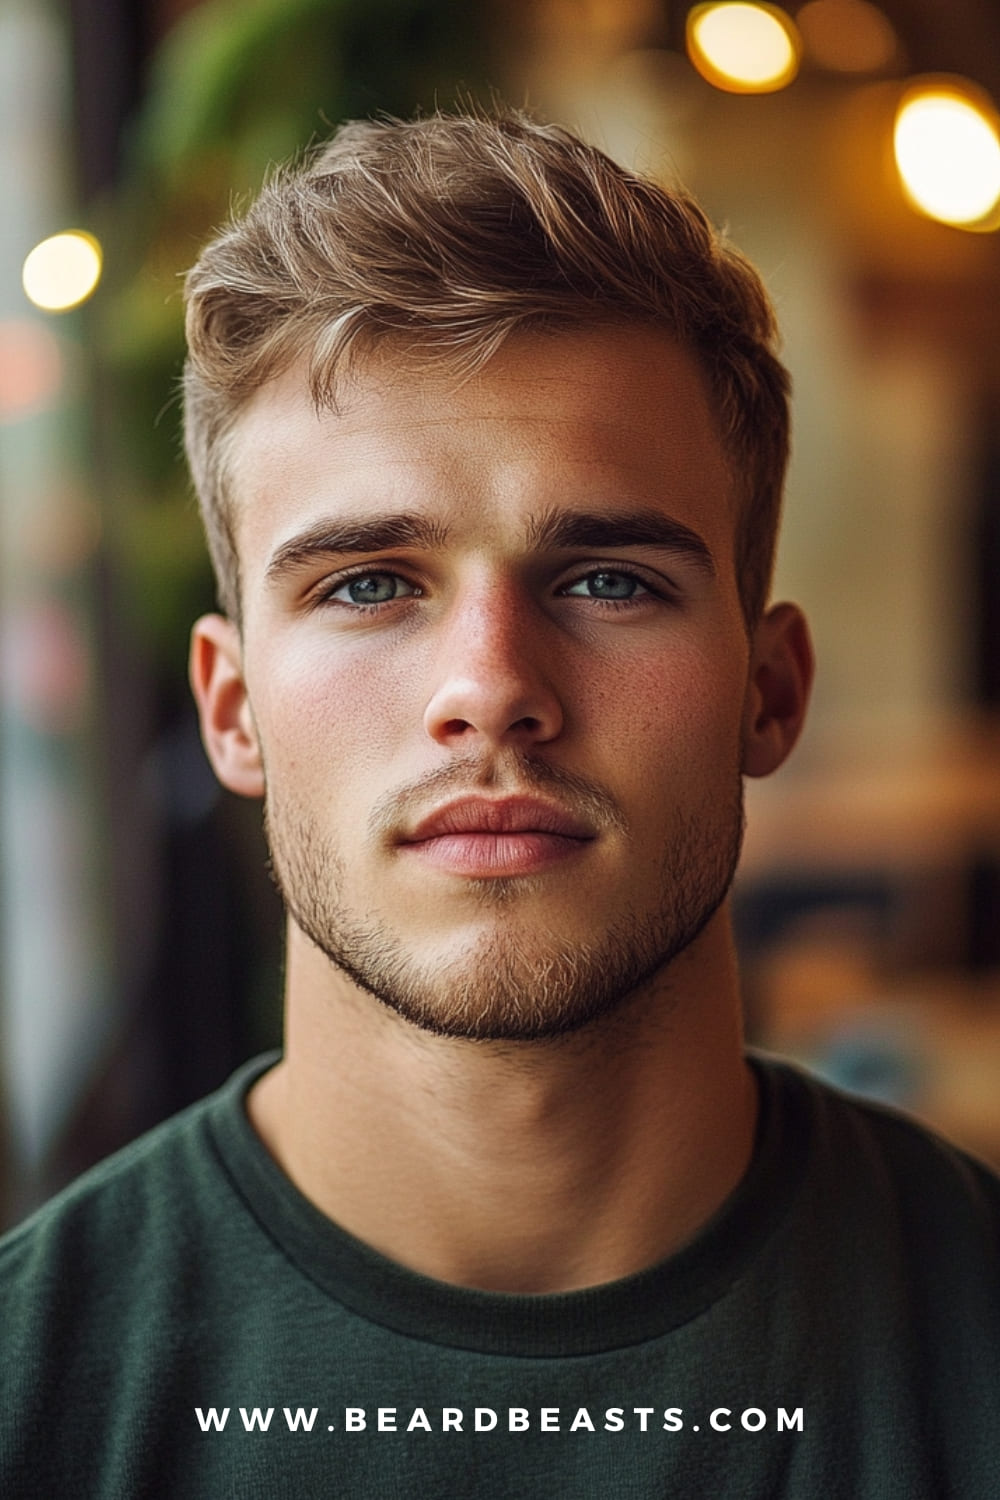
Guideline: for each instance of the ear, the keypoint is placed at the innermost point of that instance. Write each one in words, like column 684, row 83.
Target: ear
column 227, row 725
column 781, row 674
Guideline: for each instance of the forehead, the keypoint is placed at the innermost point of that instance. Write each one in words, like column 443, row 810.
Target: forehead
column 608, row 416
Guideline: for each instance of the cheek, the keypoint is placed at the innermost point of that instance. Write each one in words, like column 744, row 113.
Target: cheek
column 326, row 719
column 679, row 706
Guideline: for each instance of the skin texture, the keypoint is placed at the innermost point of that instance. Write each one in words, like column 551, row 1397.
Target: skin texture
column 513, row 1054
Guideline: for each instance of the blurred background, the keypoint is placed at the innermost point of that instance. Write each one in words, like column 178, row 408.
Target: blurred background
column 851, row 149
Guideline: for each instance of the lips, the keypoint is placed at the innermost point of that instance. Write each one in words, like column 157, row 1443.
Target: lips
column 480, row 838
column 512, row 815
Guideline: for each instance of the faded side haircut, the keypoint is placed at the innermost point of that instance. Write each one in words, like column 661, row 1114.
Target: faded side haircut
column 445, row 235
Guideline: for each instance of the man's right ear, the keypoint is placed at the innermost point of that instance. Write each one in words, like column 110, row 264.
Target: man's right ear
column 227, row 726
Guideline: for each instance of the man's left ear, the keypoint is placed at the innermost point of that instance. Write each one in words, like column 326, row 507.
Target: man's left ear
column 781, row 674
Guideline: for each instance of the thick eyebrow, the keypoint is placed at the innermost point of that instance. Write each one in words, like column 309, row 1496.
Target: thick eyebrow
column 601, row 530
column 355, row 534
column 552, row 530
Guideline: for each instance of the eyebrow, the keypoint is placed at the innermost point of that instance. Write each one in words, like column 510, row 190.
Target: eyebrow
column 609, row 529
column 356, row 534
column 550, row 531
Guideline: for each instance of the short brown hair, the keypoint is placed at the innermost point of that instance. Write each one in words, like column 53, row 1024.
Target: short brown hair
column 450, row 233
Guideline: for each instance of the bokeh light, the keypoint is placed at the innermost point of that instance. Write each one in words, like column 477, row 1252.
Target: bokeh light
column 62, row 271
column 743, row 49
column 31, row 368
column 947, row 150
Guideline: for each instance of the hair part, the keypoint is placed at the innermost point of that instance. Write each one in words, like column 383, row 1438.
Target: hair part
column 444, row 236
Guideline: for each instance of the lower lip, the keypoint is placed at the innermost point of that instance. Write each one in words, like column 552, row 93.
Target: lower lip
column 486, row 855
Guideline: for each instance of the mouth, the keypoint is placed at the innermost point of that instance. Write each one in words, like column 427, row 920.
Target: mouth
column 483, row 838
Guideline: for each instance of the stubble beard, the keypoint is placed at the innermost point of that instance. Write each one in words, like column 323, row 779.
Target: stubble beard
column 502, row 988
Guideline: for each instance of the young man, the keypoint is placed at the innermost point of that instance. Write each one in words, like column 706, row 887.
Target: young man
column 489, row 437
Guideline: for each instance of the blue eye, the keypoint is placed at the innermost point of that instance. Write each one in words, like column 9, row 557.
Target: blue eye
column 372, row 588
column 607, row 585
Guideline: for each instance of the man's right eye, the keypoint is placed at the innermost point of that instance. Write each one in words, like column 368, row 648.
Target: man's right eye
column 371, row 588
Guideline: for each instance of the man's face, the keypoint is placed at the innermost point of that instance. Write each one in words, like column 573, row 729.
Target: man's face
column 497, row 669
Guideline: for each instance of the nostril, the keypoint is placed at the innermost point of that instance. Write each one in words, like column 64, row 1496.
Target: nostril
column 452, row 727
column 493, row 705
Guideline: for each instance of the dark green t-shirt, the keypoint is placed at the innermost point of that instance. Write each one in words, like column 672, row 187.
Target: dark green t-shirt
column 182, row 1323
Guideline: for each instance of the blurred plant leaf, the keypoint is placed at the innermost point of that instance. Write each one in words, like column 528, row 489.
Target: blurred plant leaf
column 236, row 86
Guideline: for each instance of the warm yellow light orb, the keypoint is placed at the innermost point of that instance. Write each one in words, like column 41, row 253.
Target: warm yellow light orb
column 62, row 271
column 948, row 153
column 744, row 49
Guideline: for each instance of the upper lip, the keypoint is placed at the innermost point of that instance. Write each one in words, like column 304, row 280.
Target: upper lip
column 499, row 815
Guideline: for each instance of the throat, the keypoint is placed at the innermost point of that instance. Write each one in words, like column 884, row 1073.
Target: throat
column 512, row 1168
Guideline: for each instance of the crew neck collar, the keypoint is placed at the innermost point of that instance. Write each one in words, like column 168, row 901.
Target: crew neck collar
column 613, row 1315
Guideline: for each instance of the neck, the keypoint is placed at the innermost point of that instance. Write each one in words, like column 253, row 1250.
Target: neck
column 526, row 1167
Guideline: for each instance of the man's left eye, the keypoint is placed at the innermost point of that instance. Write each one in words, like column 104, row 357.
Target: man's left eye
column 372, row 588
column 607, row 585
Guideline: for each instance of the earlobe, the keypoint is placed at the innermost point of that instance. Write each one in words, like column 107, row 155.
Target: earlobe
column 781, row 674
column 227, row 726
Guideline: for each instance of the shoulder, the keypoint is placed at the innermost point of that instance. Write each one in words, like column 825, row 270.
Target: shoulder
column 124, row 1184
column 872, row 1164
column 120, row 1236
column 880, row 1134
column 111, row 1274
column 85, row 1237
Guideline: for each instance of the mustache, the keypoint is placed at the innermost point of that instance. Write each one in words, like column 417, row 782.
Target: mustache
column 512, row 776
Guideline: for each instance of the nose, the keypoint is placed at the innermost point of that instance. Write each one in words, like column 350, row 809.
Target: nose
column 492, row 687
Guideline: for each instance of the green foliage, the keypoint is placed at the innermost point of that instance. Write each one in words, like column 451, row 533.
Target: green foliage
column 237, row 86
